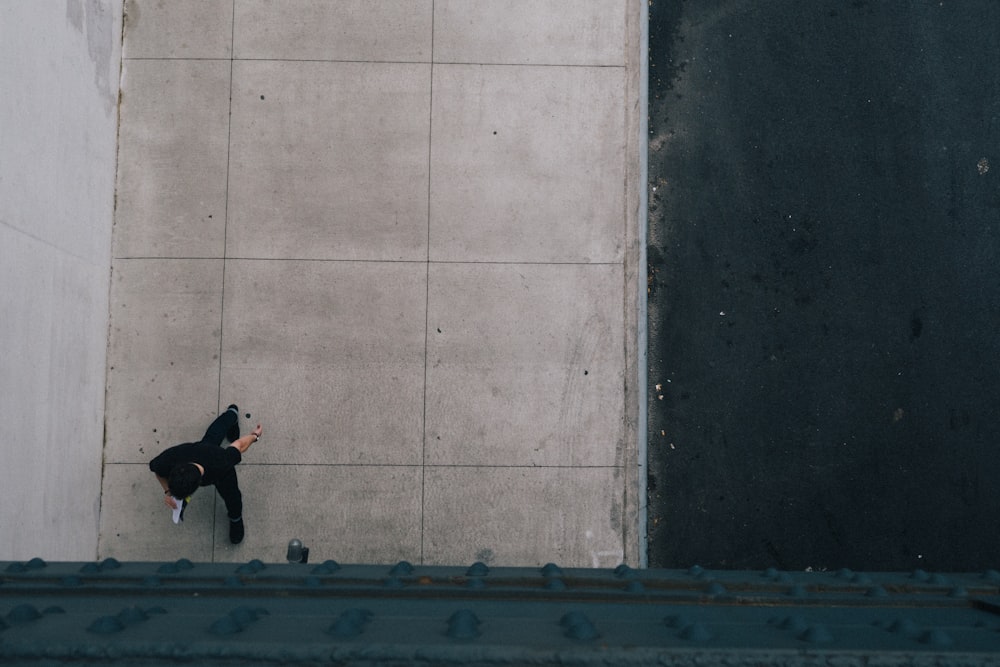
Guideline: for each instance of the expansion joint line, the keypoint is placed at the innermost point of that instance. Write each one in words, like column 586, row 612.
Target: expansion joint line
column 427, row 288
column 225, row 232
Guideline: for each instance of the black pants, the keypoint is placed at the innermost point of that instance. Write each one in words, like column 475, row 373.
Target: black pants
column 227, row 486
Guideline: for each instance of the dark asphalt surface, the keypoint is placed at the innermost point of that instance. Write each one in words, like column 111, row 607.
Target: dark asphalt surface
column 825, row 284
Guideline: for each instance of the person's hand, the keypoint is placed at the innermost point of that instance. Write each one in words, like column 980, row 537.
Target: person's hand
column 244, row 443
column 169, row 501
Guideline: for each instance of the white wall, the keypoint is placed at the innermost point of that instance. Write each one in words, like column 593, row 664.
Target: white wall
column 59, row 72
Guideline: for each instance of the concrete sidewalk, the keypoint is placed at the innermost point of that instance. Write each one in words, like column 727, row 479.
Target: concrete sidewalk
column 402, row 235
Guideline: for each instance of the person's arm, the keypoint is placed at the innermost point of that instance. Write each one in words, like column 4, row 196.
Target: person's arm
column 168, row 499
column 158, row 466
column 243, row 444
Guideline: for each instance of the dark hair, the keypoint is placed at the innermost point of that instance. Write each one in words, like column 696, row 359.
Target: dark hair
column 184, row 480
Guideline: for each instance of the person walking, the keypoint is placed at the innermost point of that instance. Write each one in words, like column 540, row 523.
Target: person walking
column 181, row 469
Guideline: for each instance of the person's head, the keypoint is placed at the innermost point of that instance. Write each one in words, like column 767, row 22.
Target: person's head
column 184, row 480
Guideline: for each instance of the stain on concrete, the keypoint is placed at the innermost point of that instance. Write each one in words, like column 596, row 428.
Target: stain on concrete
column 131, row 15
column 74, row 14
column 94, row 19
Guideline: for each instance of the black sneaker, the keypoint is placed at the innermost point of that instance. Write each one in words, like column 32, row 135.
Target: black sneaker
column 236, row 531
column 233, row 434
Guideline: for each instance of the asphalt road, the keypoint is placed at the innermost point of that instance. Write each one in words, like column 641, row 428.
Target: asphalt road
column 824, row 284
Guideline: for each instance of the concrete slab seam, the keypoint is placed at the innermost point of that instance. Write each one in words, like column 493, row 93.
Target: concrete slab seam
column 107, row 337
column 358, row 261
column 377, row 62
column 427, row 289
column 528, row 466
column 225, row 229
column 178, row 58
column 642, row 331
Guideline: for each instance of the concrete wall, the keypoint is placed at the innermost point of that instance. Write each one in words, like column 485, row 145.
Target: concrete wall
column 59, row 68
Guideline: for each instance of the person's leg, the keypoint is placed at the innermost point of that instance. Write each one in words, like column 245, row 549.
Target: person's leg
column 229, row 490
column 222, row 425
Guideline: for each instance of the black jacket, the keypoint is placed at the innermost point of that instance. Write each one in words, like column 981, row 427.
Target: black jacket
column 217, row 461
